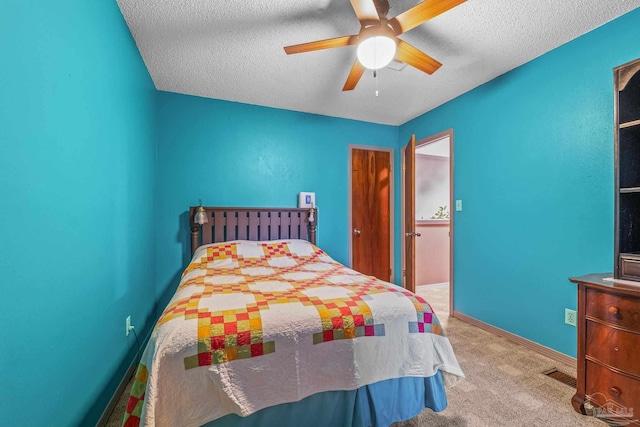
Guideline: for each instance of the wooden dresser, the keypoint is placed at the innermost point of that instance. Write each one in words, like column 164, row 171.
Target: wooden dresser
column 608, row 346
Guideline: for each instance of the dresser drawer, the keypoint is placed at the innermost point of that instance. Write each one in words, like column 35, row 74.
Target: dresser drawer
column 614, row 347
column 606, row 386
column 618, row 310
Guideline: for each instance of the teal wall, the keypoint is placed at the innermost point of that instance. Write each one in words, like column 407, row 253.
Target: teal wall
column 232, row 154
column 534, row 168
column 83, row 132
column 77, row 170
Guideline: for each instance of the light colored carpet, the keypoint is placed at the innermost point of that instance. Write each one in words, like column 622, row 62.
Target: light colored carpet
column 504, row 385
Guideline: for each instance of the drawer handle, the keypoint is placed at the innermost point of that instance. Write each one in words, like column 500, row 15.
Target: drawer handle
column 615, row 392
column 613, row 310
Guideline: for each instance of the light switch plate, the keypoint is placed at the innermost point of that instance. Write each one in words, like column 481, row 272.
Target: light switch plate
column 458, row 205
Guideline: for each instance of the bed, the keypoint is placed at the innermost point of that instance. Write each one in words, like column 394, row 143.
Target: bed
column 266, row 329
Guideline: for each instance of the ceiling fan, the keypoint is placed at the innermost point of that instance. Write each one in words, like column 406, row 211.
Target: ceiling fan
column 378, row 41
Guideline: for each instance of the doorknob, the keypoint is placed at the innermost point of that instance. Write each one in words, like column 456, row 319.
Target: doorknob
column 356, row 231
column 414, row 234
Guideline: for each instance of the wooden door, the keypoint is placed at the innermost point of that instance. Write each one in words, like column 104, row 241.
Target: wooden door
column 370, row 216
column 410, row 214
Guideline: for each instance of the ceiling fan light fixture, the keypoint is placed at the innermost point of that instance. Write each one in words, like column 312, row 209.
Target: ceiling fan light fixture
column 376, row 52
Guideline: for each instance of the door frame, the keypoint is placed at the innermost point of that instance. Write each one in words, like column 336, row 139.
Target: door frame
column 420, row 142
column 391, row 199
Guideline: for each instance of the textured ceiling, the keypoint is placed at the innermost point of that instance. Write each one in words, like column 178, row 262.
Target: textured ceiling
column 233, row 50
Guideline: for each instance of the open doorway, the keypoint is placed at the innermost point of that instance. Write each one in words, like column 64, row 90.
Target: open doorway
column 433, row 223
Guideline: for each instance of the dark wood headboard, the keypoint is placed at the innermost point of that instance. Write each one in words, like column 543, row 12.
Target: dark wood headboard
column 227, row 224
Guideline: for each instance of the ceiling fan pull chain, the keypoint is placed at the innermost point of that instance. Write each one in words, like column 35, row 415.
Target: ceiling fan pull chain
column 375, row 71
column 375, row 78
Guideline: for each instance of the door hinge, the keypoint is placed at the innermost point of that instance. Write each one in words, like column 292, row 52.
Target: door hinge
column 404, row 273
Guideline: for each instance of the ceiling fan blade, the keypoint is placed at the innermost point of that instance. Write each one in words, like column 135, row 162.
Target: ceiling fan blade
column 416, row 58
column 420, row 13
column 354, row 76
column 366, row 11
column 321, row 44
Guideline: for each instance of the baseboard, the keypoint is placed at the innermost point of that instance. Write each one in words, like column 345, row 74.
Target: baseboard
column 104, row 418
column 106, row 414
column 534, row 346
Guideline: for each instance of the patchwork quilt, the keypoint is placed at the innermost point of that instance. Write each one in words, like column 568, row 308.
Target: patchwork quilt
column 257, row 324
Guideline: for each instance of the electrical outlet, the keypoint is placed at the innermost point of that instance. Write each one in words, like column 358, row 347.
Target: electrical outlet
column 570, row 317
column 127, row 325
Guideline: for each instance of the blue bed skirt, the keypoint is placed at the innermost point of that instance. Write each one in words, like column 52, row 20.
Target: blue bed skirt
column 377, row 405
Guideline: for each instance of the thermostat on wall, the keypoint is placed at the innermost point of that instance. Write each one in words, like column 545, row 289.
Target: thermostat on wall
column 306, row 200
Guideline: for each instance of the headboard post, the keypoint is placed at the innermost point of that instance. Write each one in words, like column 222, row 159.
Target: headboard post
column 312, row 226
column 195, row 230
column 195, row 239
